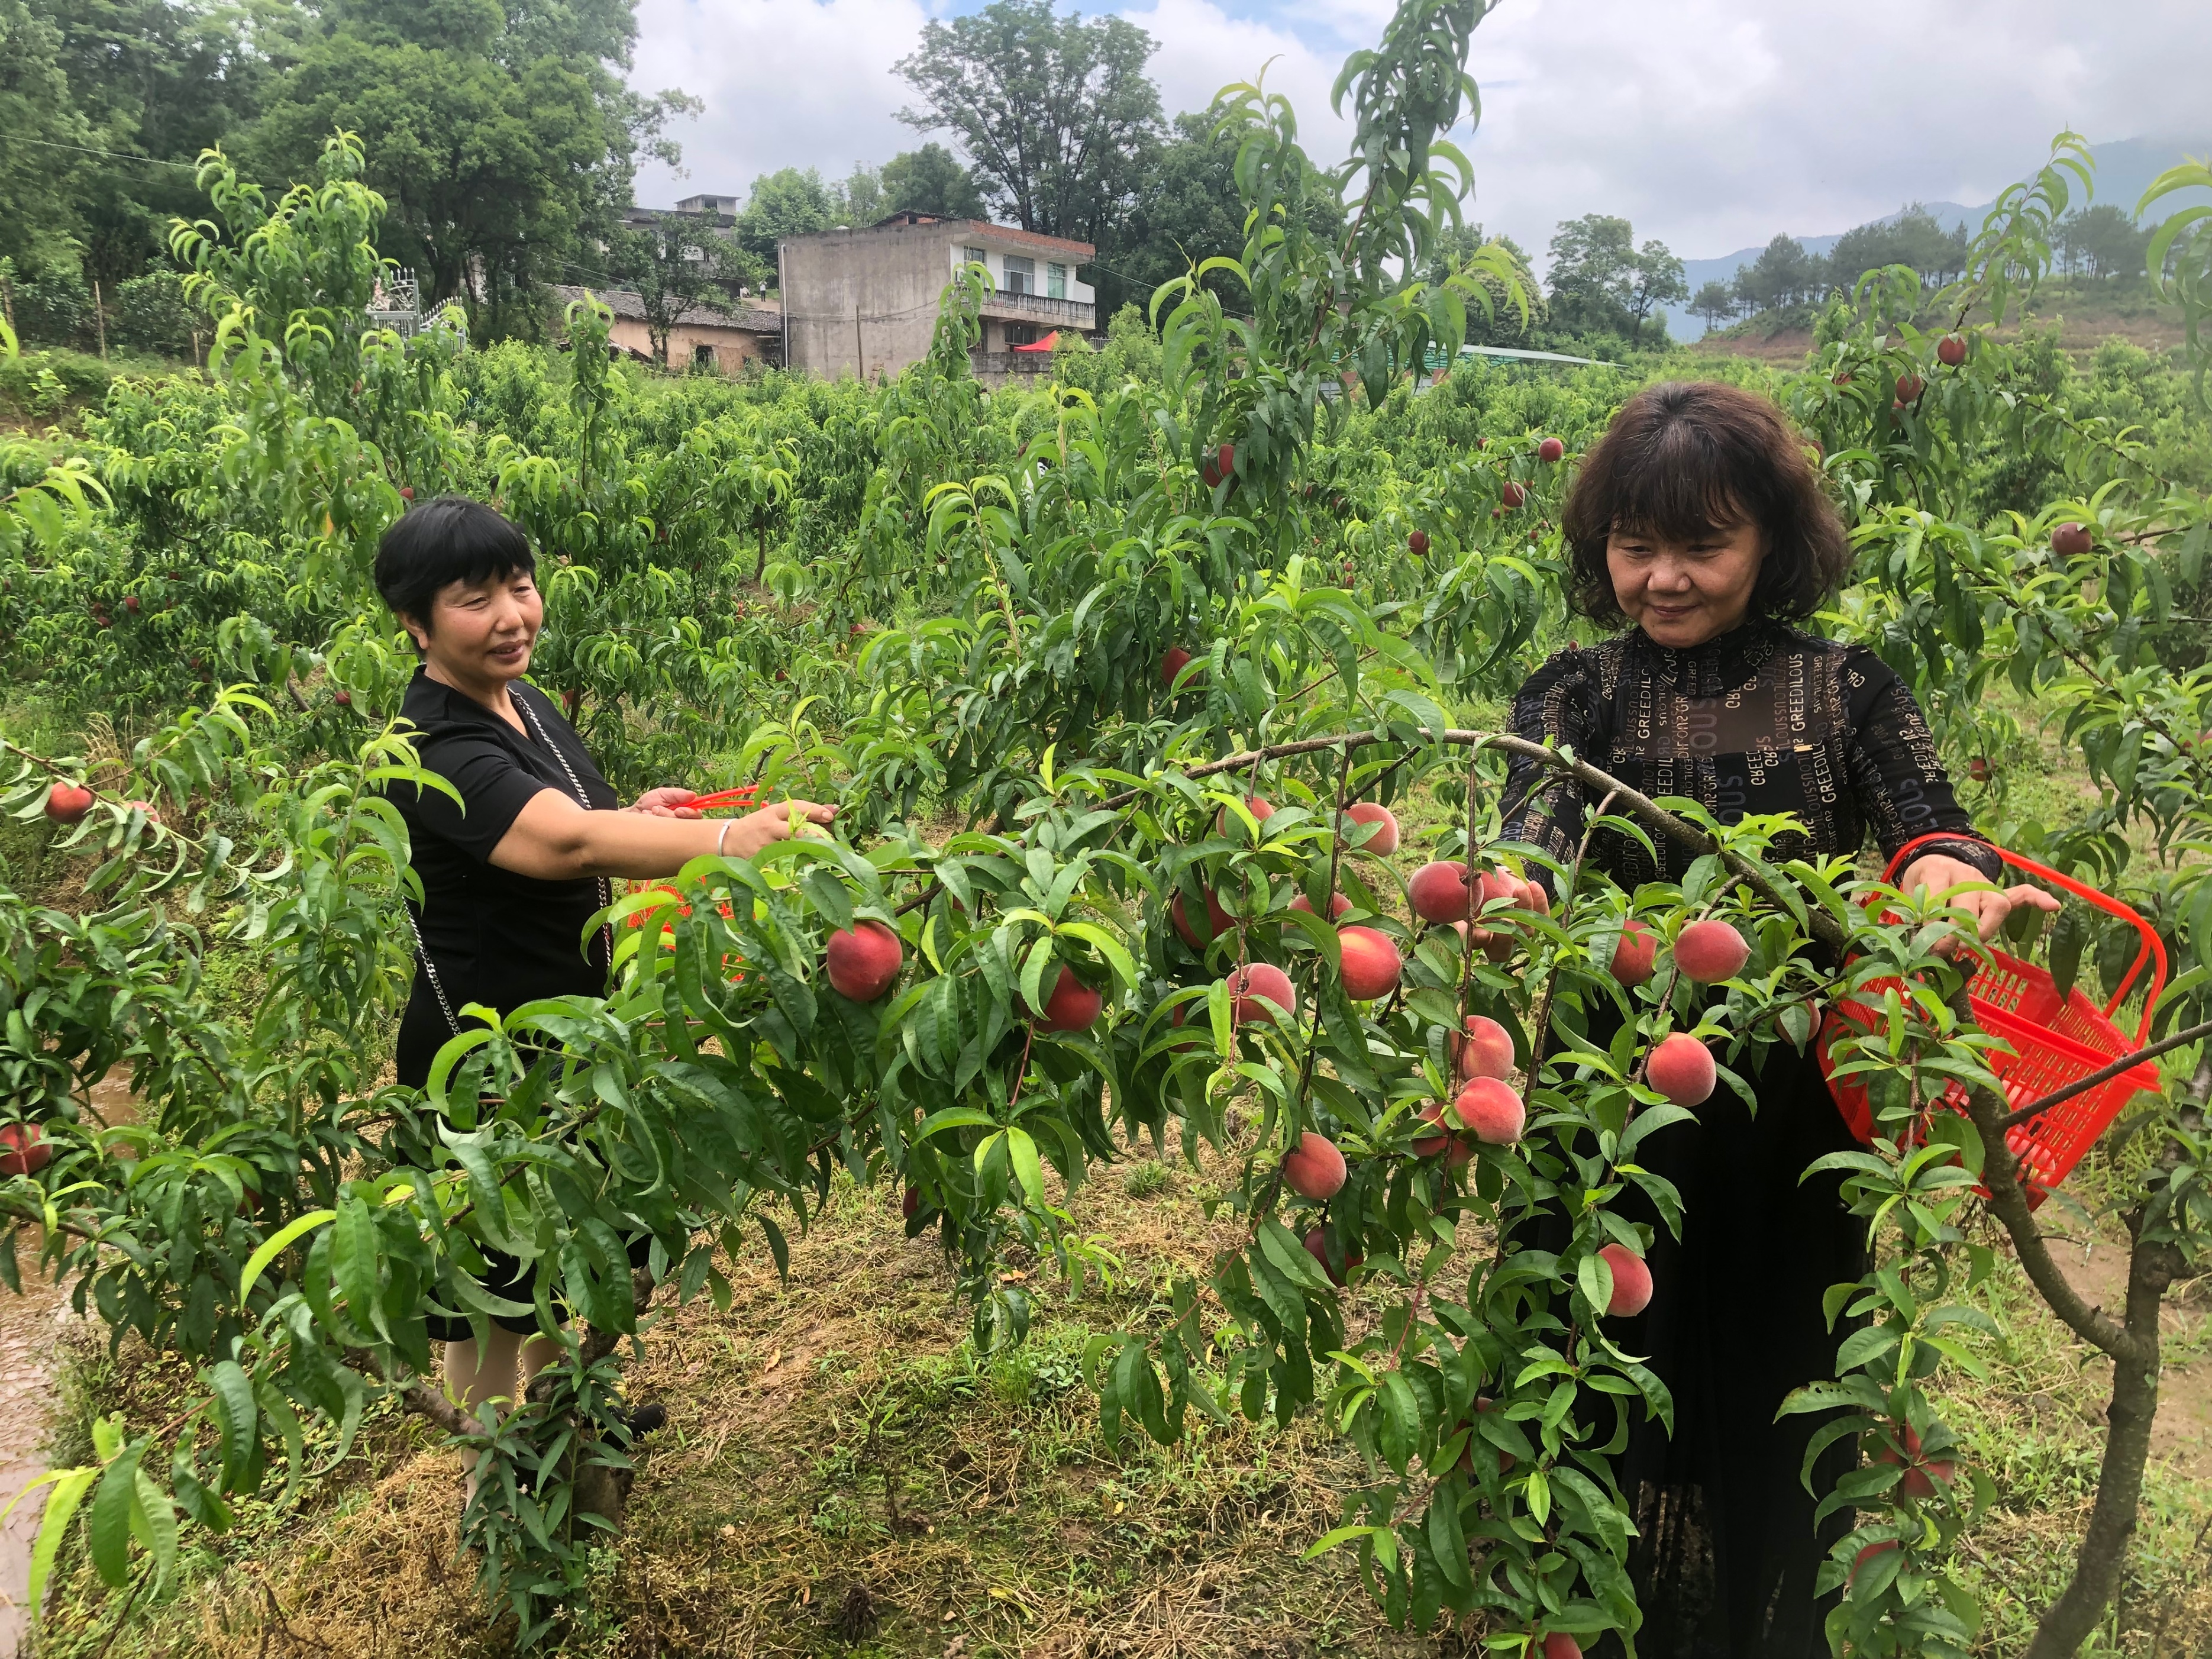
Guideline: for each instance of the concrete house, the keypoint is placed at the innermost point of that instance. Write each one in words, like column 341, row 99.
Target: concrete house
column 863, row 302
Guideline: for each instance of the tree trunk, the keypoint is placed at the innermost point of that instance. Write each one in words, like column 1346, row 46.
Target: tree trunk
column 2153, row 1265
column 760, row 570
column 2104, row 1554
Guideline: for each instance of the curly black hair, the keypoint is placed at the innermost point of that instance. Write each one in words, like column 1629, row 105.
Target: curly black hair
column 1685, row 458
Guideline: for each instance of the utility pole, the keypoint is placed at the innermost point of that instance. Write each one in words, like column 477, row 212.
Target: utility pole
column 860, row 359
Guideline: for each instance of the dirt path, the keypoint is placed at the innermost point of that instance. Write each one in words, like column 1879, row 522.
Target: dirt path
column 2182, row 1431
column 30, row 1328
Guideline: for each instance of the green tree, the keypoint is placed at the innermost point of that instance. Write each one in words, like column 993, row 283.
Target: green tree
column 1784, row 274
column 1910, row 237
column 1657, row 279
column 1504, row 325
column 1187, row 211
column 155, row 82
column 2103, row 241
column 931, row 180
column 500, row 140
column 1716, row 302
column 676, row 264
column 1056, row 114
column 860, row 199
column 1601, row 281
column 793, row 201
column 36, row 164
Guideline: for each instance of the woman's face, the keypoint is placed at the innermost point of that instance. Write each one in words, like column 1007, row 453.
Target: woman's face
column 481, row 633
column 1683, row 593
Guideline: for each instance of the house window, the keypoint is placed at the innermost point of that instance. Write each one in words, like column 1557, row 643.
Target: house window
column 1020, row 334
column 1021, row 274
column 974, row 256
column 702, row 356
column 1055, row 281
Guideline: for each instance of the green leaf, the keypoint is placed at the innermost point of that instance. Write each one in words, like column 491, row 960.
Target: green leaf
column 110, row 1516
column 236, row 1419
column 69, row 1486
column 275, row 1245
column 1022, row 1150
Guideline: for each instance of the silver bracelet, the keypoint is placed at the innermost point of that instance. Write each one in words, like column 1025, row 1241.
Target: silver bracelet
column 722, row 840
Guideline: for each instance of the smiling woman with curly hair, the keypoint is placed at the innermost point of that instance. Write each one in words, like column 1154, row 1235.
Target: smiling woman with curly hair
column 1699, row 525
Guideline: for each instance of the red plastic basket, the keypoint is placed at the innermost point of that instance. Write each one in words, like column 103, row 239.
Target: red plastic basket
column 2055, row 1041
column 743, row 796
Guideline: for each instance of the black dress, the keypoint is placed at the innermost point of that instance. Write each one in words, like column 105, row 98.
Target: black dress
column 1762, row 719
column 486, row 934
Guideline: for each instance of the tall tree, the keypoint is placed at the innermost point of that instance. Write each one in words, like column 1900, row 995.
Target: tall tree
column 791, row 201
column 931, row 180
column 1909, row 236
column 1601, row 279
column 859, row 199
column 39, row 156
column 1715, row 302
column 677, row 263
column 1056, row 114
column 1504, row 325
column 155, row 81
column 1655, row 279
column 501, row 138
column 2104, row 241
column 1186, row 211
column 1784, row 274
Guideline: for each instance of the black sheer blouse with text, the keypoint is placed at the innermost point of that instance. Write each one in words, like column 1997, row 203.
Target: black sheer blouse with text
column 1762, row 720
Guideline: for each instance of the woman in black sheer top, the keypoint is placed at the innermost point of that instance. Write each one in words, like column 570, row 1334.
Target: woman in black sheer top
column 1699, row 520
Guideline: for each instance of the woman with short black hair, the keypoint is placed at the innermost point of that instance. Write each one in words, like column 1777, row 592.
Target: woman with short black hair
column 1700, row 523
column 512, row 873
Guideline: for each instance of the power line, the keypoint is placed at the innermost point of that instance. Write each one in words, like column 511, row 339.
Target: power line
column 112, row 155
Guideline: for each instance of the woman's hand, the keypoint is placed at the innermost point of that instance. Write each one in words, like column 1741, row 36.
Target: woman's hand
column 777, row 822
column 670, row 800
column 1936, row 873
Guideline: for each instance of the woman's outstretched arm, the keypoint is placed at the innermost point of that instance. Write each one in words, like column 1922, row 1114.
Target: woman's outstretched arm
column 553, row 839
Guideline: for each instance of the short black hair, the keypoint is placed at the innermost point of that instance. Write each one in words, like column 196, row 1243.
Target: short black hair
column 1685, row 458
column 436, row 543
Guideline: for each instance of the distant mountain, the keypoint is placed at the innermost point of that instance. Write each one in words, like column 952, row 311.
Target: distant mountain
column 2124, row 170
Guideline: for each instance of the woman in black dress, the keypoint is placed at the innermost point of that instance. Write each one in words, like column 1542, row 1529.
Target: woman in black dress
column 1700, row 523
column 512, row 874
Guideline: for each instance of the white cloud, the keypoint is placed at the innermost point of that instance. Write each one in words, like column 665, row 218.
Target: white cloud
column 786, row 83
column 1711, row 123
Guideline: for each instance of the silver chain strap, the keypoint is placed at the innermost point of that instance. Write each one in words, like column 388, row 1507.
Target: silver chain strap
column 605, row 892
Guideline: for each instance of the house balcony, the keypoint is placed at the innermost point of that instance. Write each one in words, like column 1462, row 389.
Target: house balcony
column 1036, row 308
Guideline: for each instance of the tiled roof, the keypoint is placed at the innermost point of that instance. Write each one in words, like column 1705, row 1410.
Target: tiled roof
column 747, row 319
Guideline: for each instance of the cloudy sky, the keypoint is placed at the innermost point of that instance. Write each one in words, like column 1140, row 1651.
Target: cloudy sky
column 1711, row 124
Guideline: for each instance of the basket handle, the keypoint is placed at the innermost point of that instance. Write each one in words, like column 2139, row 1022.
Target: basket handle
column 2153, row 948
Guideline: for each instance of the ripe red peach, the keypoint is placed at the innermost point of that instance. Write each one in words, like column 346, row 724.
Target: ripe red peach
column 1710, row 952
column 1631, row 1280
column 1262, row 980
column 864, row 960
column 1486, row 1050
column 1370, row 963
column 1491, row 1111
column 1633, row 956
column 1315, row 1169
column 1440, row 891
column 1682, row 1069
column 1381, row 842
